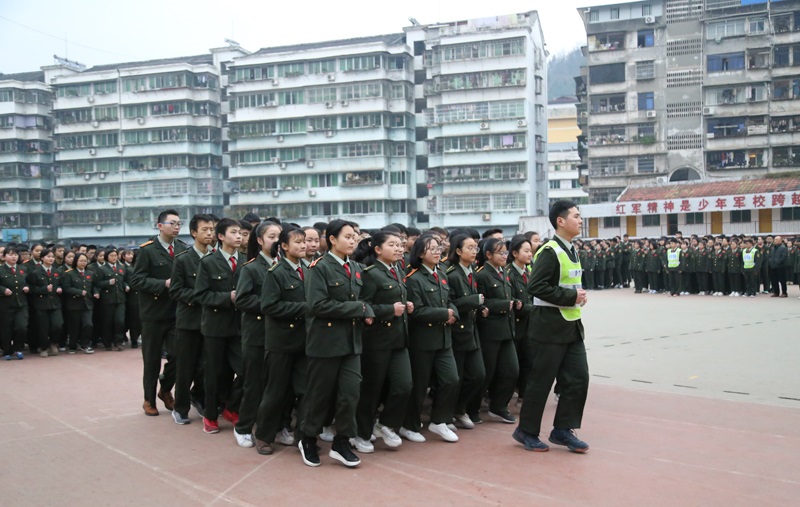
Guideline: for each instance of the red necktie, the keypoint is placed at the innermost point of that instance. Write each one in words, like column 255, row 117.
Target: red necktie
column 436, row 277
column 524, row 277
column 394, row 273
column 347, row 268
column 469, row 279
column 300, row 272
column 13, row 271
column 233, row 263
column 171, row 251
column 48, row 272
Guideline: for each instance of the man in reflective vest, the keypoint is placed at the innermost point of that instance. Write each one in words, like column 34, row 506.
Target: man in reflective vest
column 674, row 267
column 556, row 337
column 750, row 256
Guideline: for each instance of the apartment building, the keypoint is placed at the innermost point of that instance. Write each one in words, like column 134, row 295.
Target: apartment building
column 324, row 130
column 480, row 98
column 26, row 210
column 563, row 178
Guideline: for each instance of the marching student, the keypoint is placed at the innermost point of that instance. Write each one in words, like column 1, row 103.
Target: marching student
column 334, row 325
column 189, row 378
column 384, row 360
column 45, row 289
column 517, row 272
column 77, row 284
column 735, row 269
column 283, row 304
column 248, row 302
column 13, row 305
column 312, row 245
column 468, row 301
column 652, row 266
column 674, row 267
column 109, row 284
column 215, row 290
column 430, row 345
column 751, row 258
column 719, row 267
column 496, row 330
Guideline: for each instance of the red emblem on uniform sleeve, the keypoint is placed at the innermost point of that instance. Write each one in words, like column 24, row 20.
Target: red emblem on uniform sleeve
column 444, row 281
column 358, row 275
column 88, row 277
column 55, row 275
column 21, row 271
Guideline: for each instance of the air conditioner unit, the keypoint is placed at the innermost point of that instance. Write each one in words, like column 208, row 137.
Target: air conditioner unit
column 276, row 193
column 102, row 176
column 271, row 103
column 486, row 217
column 282, row 165
column 92, row 152
column 112, row 201
column 331, row 77
column 312, row 193
column 584, row 114
column 522, row 123
column 651, row 114
column 329, row 105
column 345, row 103
column 710, row 135
column 275, row 160
column 310, row 128
column 329, row 133
column 649, row 20
column 274, row 82
column 90, row 99
column 661, row 180
column 140, row 120
column 280, row 139
column 484, row 125
column 310, row 163
column 95, row 124
column 707, row 111
column 98, row 227
column 120, row 149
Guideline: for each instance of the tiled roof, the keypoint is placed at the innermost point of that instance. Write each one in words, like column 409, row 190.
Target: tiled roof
column 391, row 39
column 704, row 189
column 194, row 60
column 36, row 75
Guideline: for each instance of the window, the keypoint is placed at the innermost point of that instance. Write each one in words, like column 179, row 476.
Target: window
column 362, row 207
column 740, row 216
column 647, row 10
column 694, row 219
column 539, row 84
column 360, row 62
column 611, row 73
column 291, row 69
column 645, row 70
column 290, row 97
column 614, row 12
column 319, row 95
column 645, row 39
column 725, row 62
column 728, row 28
column 608, row 103
column 780, row 56
column 324, row 180
column 646, row 101
column 399, row 178
column 105, row 88
column 554, row 184
column 594, row 16
column 651, row 220
column 575, row 184
column 790, row 214
column 610, row 222
column 105, row 113
column 646, row 165
column 322, row 67
column 607, row 41
column 757, row 25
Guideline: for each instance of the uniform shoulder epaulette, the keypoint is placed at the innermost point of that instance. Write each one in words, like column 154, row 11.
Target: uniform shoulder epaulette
column 451, row 268
column 315, row 262
column 248, row 262
column 183, row 252
column 369, row 267
column 70, row 269
column 411, row 273
column 182, row 242
column 146, row 243
column 479, row 269
column 274, row 266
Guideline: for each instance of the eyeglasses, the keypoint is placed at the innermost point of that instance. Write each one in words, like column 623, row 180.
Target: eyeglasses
column 435, row 250
column 501, row 254
column 471, row 248
column 176, row 224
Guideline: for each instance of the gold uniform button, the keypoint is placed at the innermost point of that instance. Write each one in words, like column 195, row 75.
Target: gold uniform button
column 462, row 326
column 430, row 325
column 215, row 310
column 330, row 324
column 291, row 325
column 388, row 324
column 258, row 318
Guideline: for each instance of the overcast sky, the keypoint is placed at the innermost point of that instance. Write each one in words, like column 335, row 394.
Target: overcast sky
column 99, row 32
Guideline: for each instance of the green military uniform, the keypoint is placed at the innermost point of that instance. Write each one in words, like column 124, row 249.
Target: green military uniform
column 153, row 267
column 702, row 269
column 764, row 272
column 652, row 265
column 283, row 303
column 735, row 268
column 79, row 304
column 688, row 265
column 497, row 337
column 471, row 371
column 334, row 325
column 600, row 269
column 189, row 379
column 384, row 361
column 46, row 305
column 133, row 321
column 719, row 267
column 431, row 347
column 627, row 256
column 519, row 279
column 589, row 273
column 611, row 263
column 558, row 344
column 220, row 326
column 13, row 308
column 248, row 302
column 111, row 303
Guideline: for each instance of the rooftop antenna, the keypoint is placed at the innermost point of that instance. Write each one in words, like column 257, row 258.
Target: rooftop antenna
column 232, row 42
column 415, row 22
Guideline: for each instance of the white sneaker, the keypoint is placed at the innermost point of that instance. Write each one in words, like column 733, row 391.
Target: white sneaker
column 464, row 421
column 284, row 437
column 556, row 396
column 412, row 436
column 327, row 434
column 389, row 437
column 362, row 445
column 452, row 427
column 243, row 440
column 443, row 431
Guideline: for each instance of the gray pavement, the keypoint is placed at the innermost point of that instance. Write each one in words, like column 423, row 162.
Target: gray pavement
column 743, row 349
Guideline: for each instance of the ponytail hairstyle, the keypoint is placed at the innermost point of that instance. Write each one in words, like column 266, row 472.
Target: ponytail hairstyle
column 285, row 236
column 488, row 245
column 252, row 243
column 365, row 251
column 421, row 244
